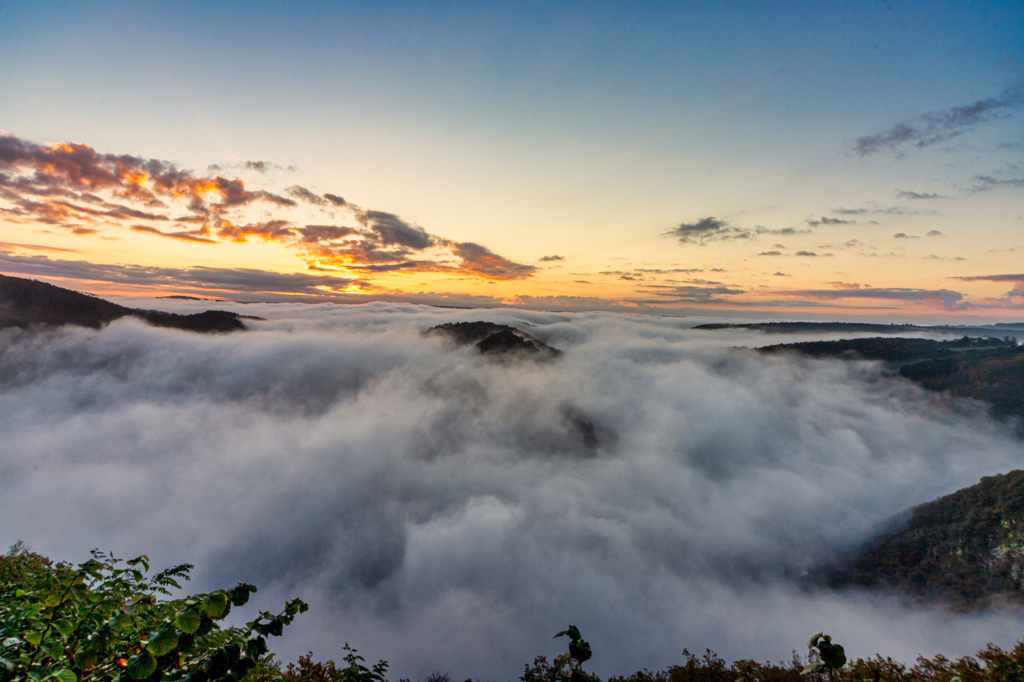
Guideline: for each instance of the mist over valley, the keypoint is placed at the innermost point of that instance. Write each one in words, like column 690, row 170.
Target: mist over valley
column 655, row 484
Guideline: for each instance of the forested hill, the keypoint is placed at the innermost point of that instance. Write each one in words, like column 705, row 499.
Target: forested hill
column 966, row 548
column 28, row 303
column 989, row 369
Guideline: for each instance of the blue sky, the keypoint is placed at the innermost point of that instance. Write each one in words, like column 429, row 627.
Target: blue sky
column 584, row 130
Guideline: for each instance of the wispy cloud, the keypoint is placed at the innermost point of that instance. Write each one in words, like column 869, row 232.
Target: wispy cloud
column 825, row 220
column 944, row 298
column 706, row 230
column 711, row 229
column 984, row 183
column 935, row 127
column 916, row 196
column 185, row 236
column 203, row 279
column 991, row 278
column 689, row 294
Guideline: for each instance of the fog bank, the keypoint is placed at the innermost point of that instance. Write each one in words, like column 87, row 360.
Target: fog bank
column 444, row 511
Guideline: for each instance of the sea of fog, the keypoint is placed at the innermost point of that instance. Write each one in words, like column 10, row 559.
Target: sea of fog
column 447, row 512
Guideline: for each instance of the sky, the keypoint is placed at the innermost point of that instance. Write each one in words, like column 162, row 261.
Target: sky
column 797, row 160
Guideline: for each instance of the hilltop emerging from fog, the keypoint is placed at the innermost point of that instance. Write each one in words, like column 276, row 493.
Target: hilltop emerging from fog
column 27, row 303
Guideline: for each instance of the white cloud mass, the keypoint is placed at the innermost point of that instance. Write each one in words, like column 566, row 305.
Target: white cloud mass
column 446, row 512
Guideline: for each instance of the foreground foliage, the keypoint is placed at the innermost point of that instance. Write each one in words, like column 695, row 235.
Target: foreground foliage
column 109, row 619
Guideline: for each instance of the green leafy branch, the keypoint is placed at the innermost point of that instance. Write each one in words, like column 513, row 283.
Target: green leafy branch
column 579, row 652
column 108, row 619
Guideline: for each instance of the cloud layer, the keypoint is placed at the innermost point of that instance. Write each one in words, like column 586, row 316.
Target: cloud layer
column 449, row 513
column 74, row 187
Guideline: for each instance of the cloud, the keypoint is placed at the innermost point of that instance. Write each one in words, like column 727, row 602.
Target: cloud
column 7, row 246
column 707, row 230
column 185, row 236
column 479, row 259
column 318, row 233
column 936, row 127
column 393, row 231
column 258, row 166
column 306, row 195
column 943, row 298
column 550, row 259
column 873, row 209
column 934, row 233
column 990, row 278
column 199, row 278
column 773, row 252
column 904, row 235
column 825, row 220
column 812, row 254
column 279, row 230
column 848, row 285
column 918, row 195
column 444, row 513
column 984, row 183
column 713, row 229
column 699, row 293
column 75, row 187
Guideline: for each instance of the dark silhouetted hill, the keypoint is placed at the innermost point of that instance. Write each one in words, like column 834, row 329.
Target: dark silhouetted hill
column 966, row 549
column 29, row 303
column 499, row 340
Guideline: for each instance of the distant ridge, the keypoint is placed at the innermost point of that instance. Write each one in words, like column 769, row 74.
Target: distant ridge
column 997, row 330
column 989, row 369
column 966, row 549
column 30, row 303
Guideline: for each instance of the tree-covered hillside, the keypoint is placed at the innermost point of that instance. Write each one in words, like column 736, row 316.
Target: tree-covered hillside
column 988, row 369
column 27, row 303
column 966, row 548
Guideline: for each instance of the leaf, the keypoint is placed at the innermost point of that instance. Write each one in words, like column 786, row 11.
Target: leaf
column 64, row 627
column 54, row 648
column 812, row 668
column 580, row 650
column 187, row 621
column 163, row 641
column 238, row 595
column 141, row 665
column 64, row 675
column 562, row 660
column 833, row 656
column 215, row 604
column 813, row 641
column 34, row 638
